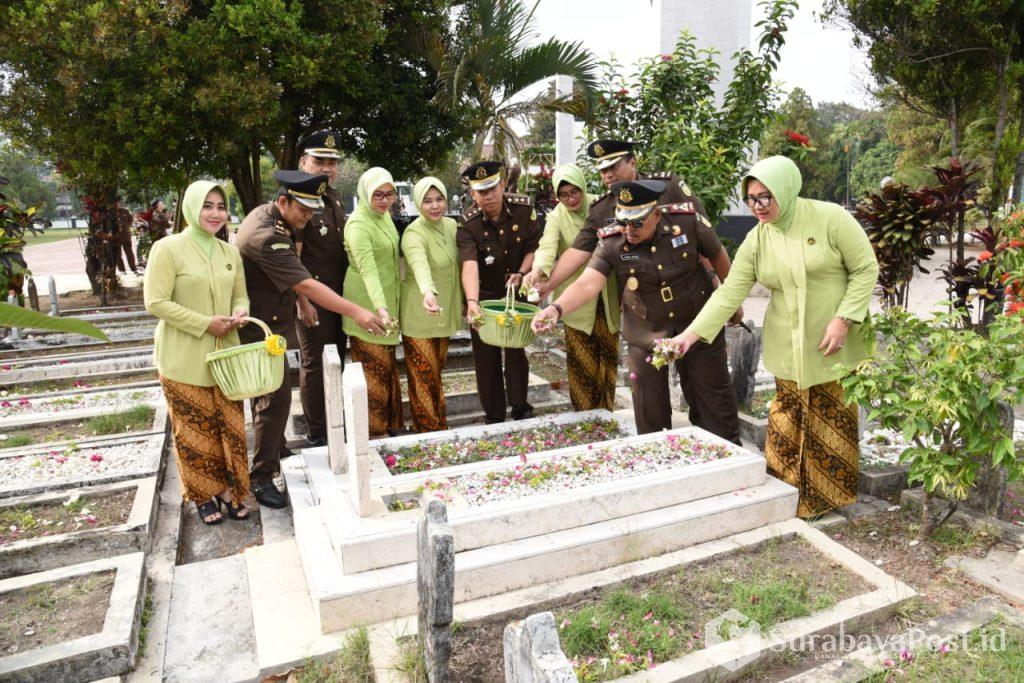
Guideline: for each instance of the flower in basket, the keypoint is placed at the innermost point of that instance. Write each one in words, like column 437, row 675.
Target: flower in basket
column 501, row 319
column 517, row 319
column 275, row 344
column 391, row 326
column 665, row 352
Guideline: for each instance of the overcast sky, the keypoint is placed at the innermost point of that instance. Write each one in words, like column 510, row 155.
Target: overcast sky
column 820, row 59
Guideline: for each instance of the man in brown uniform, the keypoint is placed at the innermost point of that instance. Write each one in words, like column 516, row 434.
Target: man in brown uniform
column 496, row 240
column 274, row 278
column 655, row 253
column 123, row 239
column 322, row 251
column 615, row 160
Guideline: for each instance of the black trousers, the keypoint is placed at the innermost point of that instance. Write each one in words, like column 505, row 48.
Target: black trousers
column 312, row 341
column 495, row 394
column 270, row 412
column 706, row 385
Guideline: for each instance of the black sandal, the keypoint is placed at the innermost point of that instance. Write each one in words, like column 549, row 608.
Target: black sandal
column 233, row 511
column 208, row 509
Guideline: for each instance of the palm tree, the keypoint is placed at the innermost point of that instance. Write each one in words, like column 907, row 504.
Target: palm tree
column 487, row 63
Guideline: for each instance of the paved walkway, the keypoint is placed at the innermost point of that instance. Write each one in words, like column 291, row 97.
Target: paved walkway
column 65, row 260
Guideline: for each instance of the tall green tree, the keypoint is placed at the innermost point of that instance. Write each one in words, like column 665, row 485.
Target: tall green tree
column 488, row 62
column 668, row 105
column 28, row 179
column 153, row 93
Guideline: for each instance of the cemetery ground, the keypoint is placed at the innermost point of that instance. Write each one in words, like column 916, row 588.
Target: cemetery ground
column 555, row 548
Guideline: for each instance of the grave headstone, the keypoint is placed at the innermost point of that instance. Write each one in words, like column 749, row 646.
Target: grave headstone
column 54, row 310
column 533, row 653
column 33, row 294
column 435, row 583
column 744, row 354
column 357, row 435
column 335, row 407
column 15, row 332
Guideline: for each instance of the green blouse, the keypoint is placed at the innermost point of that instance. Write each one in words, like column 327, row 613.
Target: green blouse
column 184, row 288
column 431, row 264
column 372, row 277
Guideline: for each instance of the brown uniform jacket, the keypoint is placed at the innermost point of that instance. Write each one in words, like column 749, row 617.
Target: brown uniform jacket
column 603, row 208
column 124, row 226
column 272, row 268
column 499, row 247
column 664, row 285
column 323, row 247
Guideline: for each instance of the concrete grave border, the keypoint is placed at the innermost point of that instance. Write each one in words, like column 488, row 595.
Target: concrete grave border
column 972, row 519
column 48, row 552
column 709, row 663
column 110, row 652
column 36, row 418
column 155, row 445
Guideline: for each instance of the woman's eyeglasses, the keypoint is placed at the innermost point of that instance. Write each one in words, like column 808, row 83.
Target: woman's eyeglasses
column 381, row 196
column 564, row 195
column 761, row 201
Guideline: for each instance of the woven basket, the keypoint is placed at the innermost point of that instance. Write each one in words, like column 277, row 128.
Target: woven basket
column 507, row 321
column 249, row 370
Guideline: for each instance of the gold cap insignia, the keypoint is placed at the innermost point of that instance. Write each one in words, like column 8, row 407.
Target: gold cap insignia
column 625, row 195
column 599, row 150
column 329, row 141
column 322, row 188
column 481, row 172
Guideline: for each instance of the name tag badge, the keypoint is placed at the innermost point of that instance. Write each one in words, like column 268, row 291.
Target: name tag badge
column 630, row 257
column 679, row 241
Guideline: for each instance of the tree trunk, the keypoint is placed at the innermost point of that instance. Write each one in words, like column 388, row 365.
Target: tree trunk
column 245, row 175
column 1018, row 169
column 1002, row 78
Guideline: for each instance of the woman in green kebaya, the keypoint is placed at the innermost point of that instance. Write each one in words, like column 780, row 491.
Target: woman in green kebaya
column 371, row 281
column 431, row 302
column 195, row 286
column 818, row 263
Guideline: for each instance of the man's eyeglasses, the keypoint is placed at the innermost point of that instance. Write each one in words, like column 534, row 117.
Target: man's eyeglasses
column 761, row 201
column 572, row 193
column 635, row 223
column 381, row 196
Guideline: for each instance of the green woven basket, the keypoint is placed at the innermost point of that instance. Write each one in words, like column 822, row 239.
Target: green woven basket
column 507, row 321
column 249, row 370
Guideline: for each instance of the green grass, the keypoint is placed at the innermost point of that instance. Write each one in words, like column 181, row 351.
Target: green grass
column 20, row 517
column 992, row 653
column 132, row 420
column 51, row 236
column 16, row 441
column 350, row 665
column 147, row 616
column 410, row 660
column 959, row 539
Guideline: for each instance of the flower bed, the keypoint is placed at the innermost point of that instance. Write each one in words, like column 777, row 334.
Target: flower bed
column 115, row 400
column 578, row 469
column 432, row 455
column 73, row 463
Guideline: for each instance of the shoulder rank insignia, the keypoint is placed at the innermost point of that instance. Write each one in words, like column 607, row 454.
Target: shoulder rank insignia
column 609, row 230
column 471, row 212
column 280, row 229
column 659, row 175
column 519, row 199
column 681, row 207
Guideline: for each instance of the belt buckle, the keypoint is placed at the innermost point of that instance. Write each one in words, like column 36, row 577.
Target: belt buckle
column 666, row 294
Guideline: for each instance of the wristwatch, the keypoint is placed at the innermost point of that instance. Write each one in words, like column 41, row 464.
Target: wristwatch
column 848, row 321
column 558, row 308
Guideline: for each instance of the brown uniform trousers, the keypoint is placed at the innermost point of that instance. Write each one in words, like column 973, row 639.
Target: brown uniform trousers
column 272, row 268
column 323, row 254
column 664, row 287
column 123, row 239
column 499, row 248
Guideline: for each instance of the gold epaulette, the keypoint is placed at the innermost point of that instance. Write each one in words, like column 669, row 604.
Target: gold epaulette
column 519, row 199
column 681, row 207
column 609, row 230
column 471, row 213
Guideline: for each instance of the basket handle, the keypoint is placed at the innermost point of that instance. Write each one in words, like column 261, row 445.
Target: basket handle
column 246, row 321
column 510, row 298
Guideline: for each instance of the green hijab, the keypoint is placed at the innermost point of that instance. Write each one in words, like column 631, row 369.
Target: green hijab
column 570, row 173
column 369, row 182
column 419, row 193
column 192, row 204
column 782, row 178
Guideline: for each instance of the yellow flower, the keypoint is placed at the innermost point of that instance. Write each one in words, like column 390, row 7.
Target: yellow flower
column 501, row 320
column 275, row 344
column 517, row 319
